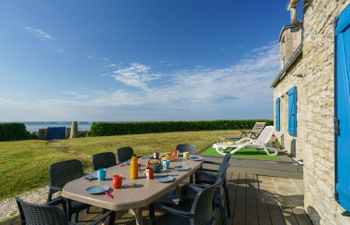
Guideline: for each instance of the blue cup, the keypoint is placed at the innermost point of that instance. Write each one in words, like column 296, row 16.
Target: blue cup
column 166, row 164
column 101, row 174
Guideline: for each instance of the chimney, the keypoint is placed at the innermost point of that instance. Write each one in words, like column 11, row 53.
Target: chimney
column 292, row 8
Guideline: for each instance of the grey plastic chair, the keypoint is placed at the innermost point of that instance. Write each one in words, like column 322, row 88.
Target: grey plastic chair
column 103, row 160
column 187, row 148
column 209, row 176
column 201, row 212
column 60, row 174
column 32, row 214
column 124, row 153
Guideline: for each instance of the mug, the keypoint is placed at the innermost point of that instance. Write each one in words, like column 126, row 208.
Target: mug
column 117, row 181
column 101, row 174
column 166, row 164
column 149, row 173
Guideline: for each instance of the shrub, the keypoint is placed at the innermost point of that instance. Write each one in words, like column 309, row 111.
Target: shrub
column 122, row 128
column 13, row 131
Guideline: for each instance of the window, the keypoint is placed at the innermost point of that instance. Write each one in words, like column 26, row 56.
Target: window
column 277, row 114
column 292, row 111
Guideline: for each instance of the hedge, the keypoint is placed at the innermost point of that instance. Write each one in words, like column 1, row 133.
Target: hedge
column 13, row 131
column 122, row 128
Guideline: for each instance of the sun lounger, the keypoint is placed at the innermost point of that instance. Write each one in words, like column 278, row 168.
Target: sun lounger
column 259, row 143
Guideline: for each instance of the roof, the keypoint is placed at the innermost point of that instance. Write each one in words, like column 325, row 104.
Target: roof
column 296, row 54
column 295, row 27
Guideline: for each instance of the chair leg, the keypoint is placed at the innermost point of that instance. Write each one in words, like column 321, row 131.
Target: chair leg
column 227, row 200
column 77, row 217
column 152, row 214
column 222, row 215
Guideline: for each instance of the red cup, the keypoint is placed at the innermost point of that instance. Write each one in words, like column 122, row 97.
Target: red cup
column 149, row 173
column 117, row 182
column 176, row 153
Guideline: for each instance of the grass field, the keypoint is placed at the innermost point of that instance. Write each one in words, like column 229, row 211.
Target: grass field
column 24, row 164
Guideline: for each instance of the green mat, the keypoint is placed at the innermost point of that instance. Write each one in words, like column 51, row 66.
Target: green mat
column 248, row 153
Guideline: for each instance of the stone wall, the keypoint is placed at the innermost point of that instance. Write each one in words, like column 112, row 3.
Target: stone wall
column 315, row 140
column 318, row 85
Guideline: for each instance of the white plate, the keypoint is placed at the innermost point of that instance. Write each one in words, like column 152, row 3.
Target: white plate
column 196, row 158
column 182, row 168
column 97, row 189
column 165, row 179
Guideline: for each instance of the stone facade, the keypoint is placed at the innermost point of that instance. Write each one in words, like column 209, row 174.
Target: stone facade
column 313, row 73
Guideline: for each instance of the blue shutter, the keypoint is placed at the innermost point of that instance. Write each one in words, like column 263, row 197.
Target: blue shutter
column 278, row 111
column 342, row 55
column 292, row 111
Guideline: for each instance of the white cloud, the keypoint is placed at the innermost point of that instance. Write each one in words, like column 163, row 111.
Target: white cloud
column 42, row 35
column 235, row 92
column 136, row 75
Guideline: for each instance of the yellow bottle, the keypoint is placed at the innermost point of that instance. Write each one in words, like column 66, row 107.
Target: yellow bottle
column 134, row 167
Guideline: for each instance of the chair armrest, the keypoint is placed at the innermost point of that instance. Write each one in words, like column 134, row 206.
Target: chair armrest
column 101, row 218
column 177, row 212
column 57, row 201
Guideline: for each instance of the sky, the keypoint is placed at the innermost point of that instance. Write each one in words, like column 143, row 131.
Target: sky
column 136, row 60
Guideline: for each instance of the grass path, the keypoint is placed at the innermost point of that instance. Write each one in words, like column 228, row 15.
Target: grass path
column 24, row 164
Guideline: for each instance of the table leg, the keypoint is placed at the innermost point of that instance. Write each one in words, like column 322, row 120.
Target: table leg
column 138, row 215
column 112, row 218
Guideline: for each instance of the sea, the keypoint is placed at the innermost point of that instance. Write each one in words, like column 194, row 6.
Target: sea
column 34, row 126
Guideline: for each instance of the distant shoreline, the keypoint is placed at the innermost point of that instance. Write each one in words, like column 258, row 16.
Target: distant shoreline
column 34, row 126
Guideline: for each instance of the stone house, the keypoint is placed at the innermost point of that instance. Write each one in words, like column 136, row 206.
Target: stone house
column 312, row 104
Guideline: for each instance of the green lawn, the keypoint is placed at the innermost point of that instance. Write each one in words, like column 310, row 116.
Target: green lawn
column 248, row 153
column 24, row 164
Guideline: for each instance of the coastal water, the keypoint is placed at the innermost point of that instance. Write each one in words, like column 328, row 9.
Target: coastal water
column 35, row 126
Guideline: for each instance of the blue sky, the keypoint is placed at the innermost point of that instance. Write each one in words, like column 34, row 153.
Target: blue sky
column 138, row 60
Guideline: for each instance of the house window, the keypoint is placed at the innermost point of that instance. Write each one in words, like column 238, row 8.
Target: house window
column 277, row 113
column 292, row 111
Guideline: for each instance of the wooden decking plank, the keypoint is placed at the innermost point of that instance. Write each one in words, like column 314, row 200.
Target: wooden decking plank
column 252, row 208
column 301, row 216
column 241, row 200
column 263, row 210
column 232, row 182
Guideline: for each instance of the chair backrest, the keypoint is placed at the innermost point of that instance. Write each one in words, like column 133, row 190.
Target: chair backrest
column 63, row 172
column 224, row 166
column 103, row 160
column 124, row 154
column 202, row 206
column 257, row 129
column 32, row 214
column 187, row 148
column 266, row 134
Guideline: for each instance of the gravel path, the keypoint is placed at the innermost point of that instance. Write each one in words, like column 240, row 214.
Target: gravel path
column 8, row 207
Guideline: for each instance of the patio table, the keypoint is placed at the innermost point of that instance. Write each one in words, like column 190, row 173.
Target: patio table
column 134, row 194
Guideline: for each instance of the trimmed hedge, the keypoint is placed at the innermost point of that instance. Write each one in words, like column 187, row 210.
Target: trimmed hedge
column 13, row 131
column 122, row 128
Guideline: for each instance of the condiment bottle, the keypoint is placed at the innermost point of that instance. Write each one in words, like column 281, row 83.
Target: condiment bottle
column 133, row 167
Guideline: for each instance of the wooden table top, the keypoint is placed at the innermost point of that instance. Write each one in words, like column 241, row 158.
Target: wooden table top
column 134, row 193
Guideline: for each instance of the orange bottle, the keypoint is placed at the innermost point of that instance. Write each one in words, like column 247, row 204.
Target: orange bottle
column 134, row 167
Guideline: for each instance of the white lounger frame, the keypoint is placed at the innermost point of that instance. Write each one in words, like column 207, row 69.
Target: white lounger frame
column 259, row 143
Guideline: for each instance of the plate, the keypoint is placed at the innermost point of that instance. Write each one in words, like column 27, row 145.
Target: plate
column 165, row 179
column 91, row 176
column 196, row 158
column 97, row 189
column 182, row 168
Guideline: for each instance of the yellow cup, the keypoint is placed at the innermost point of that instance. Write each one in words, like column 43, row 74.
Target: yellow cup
column 186, row 155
